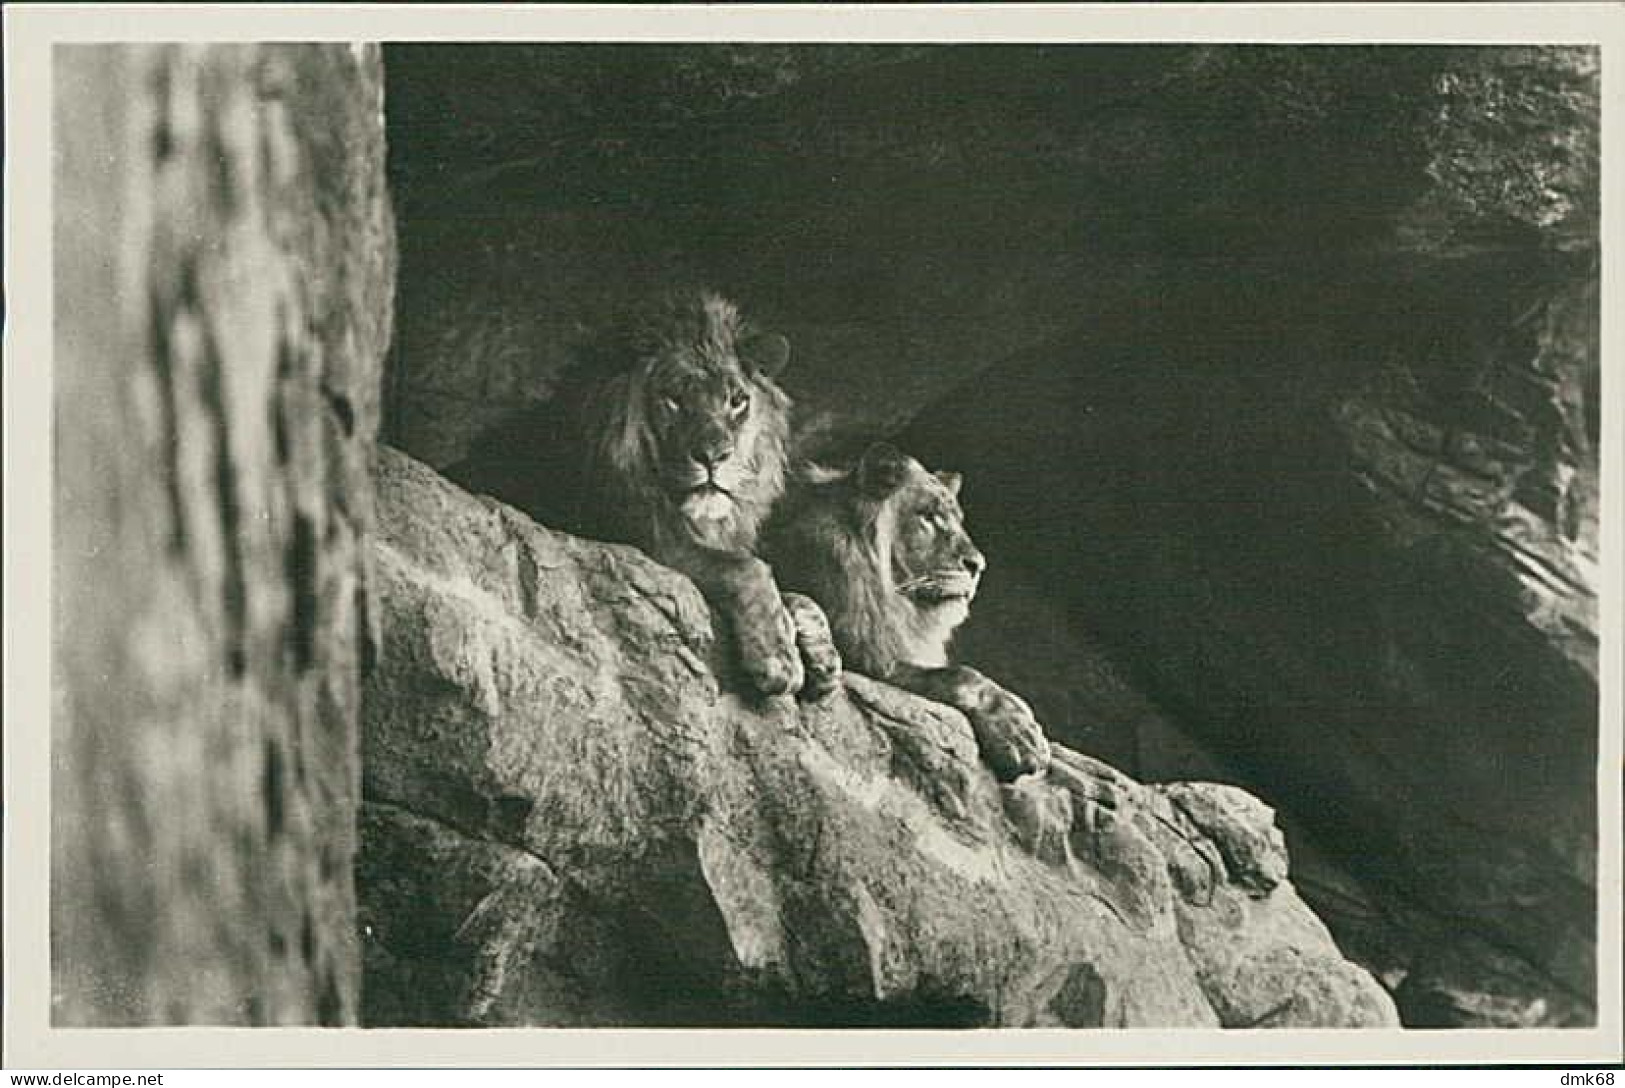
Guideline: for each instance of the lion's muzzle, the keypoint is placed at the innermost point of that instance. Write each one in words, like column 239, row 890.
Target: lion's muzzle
column 707, row 503
column 951, row 585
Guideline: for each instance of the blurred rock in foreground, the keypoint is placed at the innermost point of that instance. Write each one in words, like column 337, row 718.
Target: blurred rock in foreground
column 224, row 277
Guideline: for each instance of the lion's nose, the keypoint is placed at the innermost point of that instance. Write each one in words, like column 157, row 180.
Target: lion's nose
column 976, row 563
column 712, row 453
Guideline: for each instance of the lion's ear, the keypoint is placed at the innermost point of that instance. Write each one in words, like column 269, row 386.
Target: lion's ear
column 882, row 470
column 951, row 480
column 766, row 353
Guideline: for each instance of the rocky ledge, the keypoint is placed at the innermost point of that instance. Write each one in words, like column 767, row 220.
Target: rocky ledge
column 569, row 820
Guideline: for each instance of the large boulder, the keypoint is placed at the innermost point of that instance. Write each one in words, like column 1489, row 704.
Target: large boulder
column 571, row 818
column 224, row 268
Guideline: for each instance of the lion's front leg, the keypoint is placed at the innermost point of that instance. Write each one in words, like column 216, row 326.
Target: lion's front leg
column 1011, row 741
column 763, row 629
column 820, row 660
column 782, row 642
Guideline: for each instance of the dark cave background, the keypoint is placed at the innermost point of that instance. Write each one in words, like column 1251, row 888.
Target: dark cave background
column 1273, row 373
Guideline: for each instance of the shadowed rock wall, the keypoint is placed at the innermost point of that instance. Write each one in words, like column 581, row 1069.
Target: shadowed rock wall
column 1337, row 509
column 224, row 272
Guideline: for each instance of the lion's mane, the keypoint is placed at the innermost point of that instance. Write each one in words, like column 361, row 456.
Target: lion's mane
column 608, row 405
column 834, row 544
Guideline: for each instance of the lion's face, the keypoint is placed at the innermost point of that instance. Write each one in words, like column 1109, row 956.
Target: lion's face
column 706, row 417
column 930, row 557
column 696, row 426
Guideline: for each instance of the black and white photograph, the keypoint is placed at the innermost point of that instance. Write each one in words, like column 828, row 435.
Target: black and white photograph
column 906, row 526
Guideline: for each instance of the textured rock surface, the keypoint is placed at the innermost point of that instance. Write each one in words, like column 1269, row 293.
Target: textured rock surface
column 224, row 264
column 568, row 821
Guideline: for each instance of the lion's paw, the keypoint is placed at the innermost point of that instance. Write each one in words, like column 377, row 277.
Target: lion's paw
column 1009, row 736
column 820, row 660
column 769, row 655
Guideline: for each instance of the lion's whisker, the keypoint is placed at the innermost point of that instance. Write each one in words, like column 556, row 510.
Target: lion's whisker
column 915, row 583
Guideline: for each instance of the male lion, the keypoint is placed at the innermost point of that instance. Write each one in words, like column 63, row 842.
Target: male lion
column 673, row 437
column 883, row 548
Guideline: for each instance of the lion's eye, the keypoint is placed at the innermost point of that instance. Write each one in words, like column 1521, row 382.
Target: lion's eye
column 670, row 404
column 739, row 401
